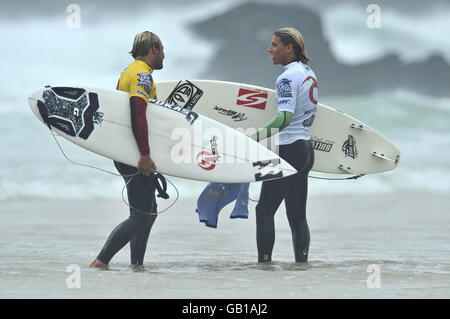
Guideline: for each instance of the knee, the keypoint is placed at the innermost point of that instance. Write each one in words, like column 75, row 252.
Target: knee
column 299, row 226
column 265, row 207
column 260, row 210
column 264, row 214
column 142, row 219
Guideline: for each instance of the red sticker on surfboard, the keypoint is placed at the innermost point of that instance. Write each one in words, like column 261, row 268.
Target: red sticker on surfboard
column 206, row 160
column 252, row 98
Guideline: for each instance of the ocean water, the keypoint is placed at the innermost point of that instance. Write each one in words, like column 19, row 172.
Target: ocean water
column 54, row 214
column 362, row 246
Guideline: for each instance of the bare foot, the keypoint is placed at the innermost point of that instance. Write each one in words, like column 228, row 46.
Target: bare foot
column 98, row 264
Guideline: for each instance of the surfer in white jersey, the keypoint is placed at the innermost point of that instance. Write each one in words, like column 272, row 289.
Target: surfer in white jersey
column 297, row 94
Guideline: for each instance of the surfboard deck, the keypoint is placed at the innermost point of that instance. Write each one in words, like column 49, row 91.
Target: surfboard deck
column 182, row 143
column 342, row 144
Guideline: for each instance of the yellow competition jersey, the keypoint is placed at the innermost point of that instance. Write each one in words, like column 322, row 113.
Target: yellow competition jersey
column 138, row 81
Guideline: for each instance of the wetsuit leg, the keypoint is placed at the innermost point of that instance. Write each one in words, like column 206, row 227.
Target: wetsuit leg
column 272, row 193
column 301, row 156
column 296, row 199
column 269, row 200
column 138, row 244
column 141, row 197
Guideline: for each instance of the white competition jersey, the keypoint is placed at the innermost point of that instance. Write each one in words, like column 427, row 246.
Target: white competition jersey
column 297, row 92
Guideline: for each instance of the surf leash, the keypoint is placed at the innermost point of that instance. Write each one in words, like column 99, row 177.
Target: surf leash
column 161, row 188
column 161, row 193
column 324, row 178
column 339, row 179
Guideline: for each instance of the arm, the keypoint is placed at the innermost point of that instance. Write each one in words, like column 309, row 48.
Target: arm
column 139, row 125
column 138, row 109
column 286, row 99
column 279, row 122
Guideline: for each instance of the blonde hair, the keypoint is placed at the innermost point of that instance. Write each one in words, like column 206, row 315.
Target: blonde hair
column 143, row 42
column 293, row 36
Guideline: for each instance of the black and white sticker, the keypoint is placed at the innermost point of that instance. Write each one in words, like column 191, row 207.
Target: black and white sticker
column 268, row 170
column 235, row 116
column 349, row 147
column 72, row 110
column 190, row 116
column 321, row 144
column 186, row 94
column 214, row 149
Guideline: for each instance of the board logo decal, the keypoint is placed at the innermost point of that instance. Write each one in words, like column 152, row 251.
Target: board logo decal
column 68, row 92
column 252, row 98
column 321, row 145
column 206, row 160
column 72, row 110
column 349, row 147
column 235, row 116
column 267, row 169
column 214, row 150
column 186, row 94
column 190, row 116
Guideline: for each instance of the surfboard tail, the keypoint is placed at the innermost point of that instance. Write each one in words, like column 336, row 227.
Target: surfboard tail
column 33, row 103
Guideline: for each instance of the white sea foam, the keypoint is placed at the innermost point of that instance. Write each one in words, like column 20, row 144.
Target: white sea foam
column 412, row 36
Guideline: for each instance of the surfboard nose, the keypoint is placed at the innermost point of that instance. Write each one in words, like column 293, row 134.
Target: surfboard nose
column 272, row 169
column 36, row 95
column 32, row 101
column 287, row 168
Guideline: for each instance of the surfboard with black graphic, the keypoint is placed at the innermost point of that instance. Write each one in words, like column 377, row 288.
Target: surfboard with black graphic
column 342, row 144
column 183, row 143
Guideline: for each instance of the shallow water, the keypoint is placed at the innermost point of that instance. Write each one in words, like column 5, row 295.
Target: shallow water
column 397, row 251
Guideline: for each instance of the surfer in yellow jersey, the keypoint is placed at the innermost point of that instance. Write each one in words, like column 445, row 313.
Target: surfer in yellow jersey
column 148, row 52
column 297, row 91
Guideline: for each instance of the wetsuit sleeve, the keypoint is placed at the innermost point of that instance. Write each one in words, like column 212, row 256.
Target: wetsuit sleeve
column 279, row 122
column 138, row 109
column 142, row 89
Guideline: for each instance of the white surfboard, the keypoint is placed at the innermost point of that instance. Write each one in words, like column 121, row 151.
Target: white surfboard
column 182, row 142
column 343, row 144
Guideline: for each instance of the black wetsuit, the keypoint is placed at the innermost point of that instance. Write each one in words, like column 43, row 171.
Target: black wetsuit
column 293, row 189
column 296, row 92
column 135, row 229
column 137, row 80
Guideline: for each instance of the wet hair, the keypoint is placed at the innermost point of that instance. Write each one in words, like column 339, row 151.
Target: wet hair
column 293, row 36
column 143, row 42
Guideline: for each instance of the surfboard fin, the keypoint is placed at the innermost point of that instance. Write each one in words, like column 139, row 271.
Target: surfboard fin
column 346, row 168
column 360, row 127
column 382, row 156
